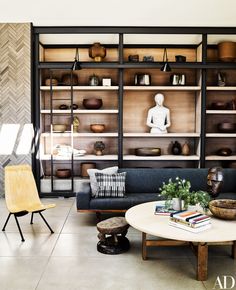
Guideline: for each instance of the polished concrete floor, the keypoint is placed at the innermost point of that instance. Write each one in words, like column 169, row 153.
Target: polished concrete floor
column 68, row 259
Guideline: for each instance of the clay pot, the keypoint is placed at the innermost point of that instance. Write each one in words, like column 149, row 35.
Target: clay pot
column 54, row 82
column 63, row 173
column 92, row 103
column 85, row 166
column 227, row 51
column 63, row 107
column 59, row 127
column 97, row 128
column 176, row 148
column 186, row 149
column 97, row 52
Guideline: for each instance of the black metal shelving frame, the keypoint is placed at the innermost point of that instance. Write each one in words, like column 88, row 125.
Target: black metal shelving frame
column 120, row 65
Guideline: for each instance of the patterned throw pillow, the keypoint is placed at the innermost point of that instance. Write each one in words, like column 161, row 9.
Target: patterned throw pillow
column 93, row 180
column 110, row 185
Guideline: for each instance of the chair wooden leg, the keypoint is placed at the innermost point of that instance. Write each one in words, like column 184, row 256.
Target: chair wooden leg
column 3, row 229
column 46, row 223
column 32, row 217
column 22, row 237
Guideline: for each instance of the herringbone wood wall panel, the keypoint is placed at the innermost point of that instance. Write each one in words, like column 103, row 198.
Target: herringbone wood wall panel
column 15, row 83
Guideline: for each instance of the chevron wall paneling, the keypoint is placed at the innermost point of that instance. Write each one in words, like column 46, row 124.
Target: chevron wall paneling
column 15, row 84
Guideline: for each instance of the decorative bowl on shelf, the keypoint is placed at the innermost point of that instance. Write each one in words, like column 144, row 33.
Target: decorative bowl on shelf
column 75, row 106
column 146, row 151
column 63, row 173
column 226, row 127
column 59, row 127
column 224, row 152
column 180, row 58
column 63, row 107
column 97, row 128
column 218, row 106
column 92, row 103
column 223, row 208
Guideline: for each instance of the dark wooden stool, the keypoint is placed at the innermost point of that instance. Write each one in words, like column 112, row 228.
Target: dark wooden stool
column 115, row 243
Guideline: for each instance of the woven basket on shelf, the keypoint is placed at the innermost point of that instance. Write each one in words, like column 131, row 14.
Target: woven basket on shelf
column 54, row 82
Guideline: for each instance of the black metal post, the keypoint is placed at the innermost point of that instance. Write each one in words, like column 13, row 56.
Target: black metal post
column 46, row 222
column 3, row 229
column 32, row 217
column 17, row 223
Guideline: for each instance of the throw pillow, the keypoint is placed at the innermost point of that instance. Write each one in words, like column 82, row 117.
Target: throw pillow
column 110, row 185
column 93, row 180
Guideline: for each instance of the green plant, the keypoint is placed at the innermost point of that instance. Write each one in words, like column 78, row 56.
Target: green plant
column 180, row 188
column 198, row 197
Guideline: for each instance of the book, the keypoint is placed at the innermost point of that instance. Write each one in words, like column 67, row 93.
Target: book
column 193, row 225
column 190, row 217
column 190, row 229
column 162, row 210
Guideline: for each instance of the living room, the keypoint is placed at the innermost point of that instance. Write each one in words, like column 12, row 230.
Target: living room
column 117, row 145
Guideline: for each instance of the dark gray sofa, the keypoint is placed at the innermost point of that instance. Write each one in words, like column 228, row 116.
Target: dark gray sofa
column 142, row 185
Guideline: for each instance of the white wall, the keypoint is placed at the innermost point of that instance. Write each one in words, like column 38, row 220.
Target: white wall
column 120, row 12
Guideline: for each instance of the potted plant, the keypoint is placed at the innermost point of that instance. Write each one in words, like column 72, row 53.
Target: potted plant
column 178, row 191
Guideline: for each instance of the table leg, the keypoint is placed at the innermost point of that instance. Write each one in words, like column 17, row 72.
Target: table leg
column 234, row 250
column 202, row 259
column 144, row 246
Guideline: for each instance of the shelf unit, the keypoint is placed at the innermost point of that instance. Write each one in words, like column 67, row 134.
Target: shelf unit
column 125, row 105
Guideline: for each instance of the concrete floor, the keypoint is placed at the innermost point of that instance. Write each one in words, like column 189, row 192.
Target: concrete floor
column 68, row 259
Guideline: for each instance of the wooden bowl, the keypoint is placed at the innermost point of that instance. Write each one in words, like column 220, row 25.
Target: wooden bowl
column 227, row 51
column 146, row 151
column 224, row 152
column 218, row 106
column 54, row 82
column 92, row 103
column 97, row 128
column 59, row 127
column 63, row 173
column 68, row 81
column 223, row 208
column 226, row 127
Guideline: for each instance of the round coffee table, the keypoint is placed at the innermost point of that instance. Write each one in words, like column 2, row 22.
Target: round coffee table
column 142, row 218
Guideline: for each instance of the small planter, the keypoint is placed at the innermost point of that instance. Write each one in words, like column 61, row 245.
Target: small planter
column 176, row 203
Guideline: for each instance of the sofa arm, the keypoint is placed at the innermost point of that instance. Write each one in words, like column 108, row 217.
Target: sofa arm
column 83, row 197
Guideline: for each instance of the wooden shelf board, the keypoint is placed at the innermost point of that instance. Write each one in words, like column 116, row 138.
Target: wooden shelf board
column 48, row 134
column 221, row 112
column 167, row 135
column 108, row 111
column 80, row 88
column 221, row 135
column 220, row 158
column 166, row 88
column 85, row 157
column 162, row 157
column 215, row 88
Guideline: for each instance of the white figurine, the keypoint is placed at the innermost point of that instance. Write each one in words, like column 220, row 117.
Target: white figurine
column 159, row 116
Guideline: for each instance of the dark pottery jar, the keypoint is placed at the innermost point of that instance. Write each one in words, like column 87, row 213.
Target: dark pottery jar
column 97, row 52
column 176, row 148
column 99, row 146
column 92, row 103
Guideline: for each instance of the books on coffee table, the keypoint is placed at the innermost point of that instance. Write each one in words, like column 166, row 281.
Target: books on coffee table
column 163, row 210
column 190, row 220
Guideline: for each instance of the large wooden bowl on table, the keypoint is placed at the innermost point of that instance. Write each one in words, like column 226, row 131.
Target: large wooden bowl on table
column 223, row 208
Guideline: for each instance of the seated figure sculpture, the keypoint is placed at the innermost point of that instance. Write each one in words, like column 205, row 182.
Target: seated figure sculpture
column 159, row 116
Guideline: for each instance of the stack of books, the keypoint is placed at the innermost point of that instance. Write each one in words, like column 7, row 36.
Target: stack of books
column 191, row 221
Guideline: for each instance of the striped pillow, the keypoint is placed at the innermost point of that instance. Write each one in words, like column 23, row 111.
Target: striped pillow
column 110, row 185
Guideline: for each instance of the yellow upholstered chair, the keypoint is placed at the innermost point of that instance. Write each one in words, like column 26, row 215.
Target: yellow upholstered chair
column 21, row 195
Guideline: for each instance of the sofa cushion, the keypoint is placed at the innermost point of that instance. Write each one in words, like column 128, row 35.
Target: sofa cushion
column 110, row 185
column 122, row 203
column 149, row 180
column 93, row 180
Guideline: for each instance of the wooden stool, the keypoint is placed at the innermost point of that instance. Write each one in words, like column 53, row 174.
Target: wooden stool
column 115, row 243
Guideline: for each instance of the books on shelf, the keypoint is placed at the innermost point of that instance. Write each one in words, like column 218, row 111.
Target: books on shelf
column 190, row 220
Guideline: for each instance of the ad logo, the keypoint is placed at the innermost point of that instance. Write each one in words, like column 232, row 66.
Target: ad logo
column 224, row 282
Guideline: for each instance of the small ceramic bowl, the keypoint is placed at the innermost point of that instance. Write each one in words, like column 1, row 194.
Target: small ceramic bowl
column 97, row 128
column 59, row 127
column 92, row 103
column 63, row 173
column 226, row 127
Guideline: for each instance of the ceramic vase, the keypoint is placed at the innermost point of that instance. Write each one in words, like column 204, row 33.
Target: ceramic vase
column 186, row 149
column 176, row 203
column 176, row 148
column 97, row 52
